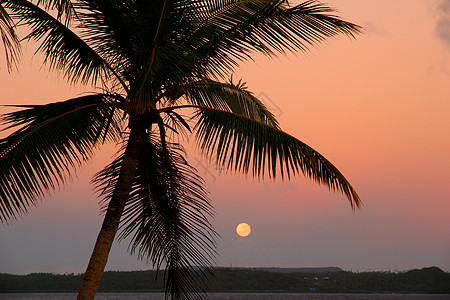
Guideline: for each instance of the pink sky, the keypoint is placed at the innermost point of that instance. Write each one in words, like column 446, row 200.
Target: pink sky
column 378, row 107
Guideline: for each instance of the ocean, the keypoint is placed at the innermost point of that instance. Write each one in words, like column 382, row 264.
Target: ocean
column 227, row 296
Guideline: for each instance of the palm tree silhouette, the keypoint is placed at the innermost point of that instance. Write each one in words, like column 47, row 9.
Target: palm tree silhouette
column 160, row 69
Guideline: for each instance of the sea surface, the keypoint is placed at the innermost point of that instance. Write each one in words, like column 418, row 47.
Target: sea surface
column 226, row 296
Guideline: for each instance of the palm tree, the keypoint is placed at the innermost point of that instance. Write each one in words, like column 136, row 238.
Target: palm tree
column 159, row 69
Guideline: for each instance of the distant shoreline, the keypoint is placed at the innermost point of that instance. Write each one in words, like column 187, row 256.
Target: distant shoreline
column 431, row 280
column 231, row 296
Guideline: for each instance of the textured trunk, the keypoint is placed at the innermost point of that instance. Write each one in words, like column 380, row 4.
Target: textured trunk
column 110, row 224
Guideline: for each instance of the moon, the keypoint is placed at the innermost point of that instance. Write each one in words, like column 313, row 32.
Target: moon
column 243, row 229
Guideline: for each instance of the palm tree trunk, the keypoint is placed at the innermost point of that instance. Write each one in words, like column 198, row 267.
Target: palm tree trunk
column 110, row 224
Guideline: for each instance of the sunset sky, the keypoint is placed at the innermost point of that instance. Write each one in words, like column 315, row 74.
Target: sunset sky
column 378, row 107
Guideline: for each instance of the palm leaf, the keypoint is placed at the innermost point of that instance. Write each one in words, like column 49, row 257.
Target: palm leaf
column 64, row 8
column 64, row 50
column 238, row 142
column 9, row 38
column 112, row 30
column 229, row 97
column 166, row 217
column 229, row 31
column 51, row 140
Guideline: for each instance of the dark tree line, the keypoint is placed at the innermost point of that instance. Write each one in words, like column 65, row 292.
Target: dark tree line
column 427, row 280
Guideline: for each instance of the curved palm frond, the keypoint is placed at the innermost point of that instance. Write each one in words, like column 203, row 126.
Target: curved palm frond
column 166, row 217
column 9, row 38
column 52, row 139
column 229, row 31
column 64, row 8
column 63, row 48
column 229, row 97
column 11, row 41
column 238, row 142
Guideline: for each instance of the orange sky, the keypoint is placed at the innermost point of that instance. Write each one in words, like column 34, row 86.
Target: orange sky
column 378, row 107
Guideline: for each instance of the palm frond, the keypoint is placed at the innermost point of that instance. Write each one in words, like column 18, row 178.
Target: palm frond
column 229, row 97
column 167, row 217
column 229, row 31
column 9, row 38
column 50, row 141
column 111, row 28
column 64, row 8
column 241, row 143
column 63, row 48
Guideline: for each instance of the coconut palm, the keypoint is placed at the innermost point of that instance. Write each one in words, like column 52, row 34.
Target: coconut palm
column 159, row 70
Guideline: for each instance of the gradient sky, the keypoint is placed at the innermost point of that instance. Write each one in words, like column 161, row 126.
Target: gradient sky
column 378, row 107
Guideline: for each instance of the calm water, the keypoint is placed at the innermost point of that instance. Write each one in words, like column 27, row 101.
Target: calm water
column 226, row 296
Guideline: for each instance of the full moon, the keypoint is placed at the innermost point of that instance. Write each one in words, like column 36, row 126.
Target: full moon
column 243, row 229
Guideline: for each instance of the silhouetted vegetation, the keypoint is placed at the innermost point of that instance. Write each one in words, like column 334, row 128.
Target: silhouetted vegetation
column 430, row 280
